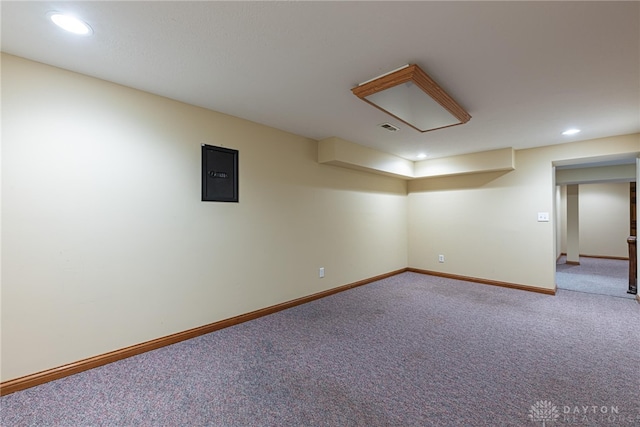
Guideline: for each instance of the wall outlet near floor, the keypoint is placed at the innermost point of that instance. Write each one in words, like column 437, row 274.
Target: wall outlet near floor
column 321, row 272
column 440, row 258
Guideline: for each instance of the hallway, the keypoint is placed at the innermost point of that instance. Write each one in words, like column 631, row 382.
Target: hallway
column 595, row 276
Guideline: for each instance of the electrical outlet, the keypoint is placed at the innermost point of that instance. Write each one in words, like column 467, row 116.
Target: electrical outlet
column 321, row 272
column 440, row 258
column 543, row 216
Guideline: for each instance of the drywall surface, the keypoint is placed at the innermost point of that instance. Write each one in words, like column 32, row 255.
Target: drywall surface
column 339, row 152
column 486, row 224
column 614, row 173
column 106, row 243
column 604, row 219
column 485, row 161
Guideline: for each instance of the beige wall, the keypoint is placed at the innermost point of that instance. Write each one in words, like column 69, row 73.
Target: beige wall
column 106, row 243
column 604, row 219
column 599, row 174
column 486, row 224
column 560, row 218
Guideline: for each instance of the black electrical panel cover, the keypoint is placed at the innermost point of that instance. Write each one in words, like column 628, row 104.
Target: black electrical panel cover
column 219, row 174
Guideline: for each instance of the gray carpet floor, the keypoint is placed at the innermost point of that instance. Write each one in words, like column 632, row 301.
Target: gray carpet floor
column 594, row 276
column 410, row 350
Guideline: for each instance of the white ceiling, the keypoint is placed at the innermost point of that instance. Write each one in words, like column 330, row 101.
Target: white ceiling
column 525, row 71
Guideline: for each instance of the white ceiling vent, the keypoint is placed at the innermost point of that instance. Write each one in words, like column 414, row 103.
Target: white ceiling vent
column 389, row 127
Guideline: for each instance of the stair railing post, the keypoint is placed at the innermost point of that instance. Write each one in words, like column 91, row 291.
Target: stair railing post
column 633, row 266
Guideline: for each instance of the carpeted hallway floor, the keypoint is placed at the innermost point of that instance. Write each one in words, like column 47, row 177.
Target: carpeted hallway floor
column 595, row 276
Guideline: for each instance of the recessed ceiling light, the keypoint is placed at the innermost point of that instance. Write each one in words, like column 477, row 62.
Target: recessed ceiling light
column 421, row 156
column 571, row 131
column 70, row 23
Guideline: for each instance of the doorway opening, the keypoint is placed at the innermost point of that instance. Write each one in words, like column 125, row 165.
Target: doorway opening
column 594, row 217
column 602, row 276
